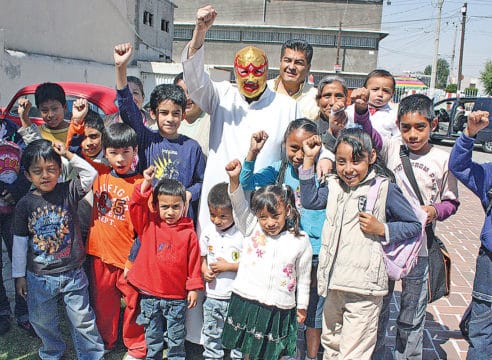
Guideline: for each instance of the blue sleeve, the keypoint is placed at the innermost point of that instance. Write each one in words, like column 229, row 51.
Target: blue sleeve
column 312, row 197
column 400, row 218
column 197, row 178
column 476, row 177
column 131, row 115
column 134, row 250
column 250, row 180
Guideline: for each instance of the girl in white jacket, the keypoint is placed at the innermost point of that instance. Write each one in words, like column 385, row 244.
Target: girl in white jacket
column 274, row 272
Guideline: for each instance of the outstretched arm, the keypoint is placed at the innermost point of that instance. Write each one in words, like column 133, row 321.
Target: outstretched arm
column 205, row 17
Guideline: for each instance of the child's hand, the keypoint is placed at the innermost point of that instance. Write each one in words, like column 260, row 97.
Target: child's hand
column 220, row 265
column 311, row 147
column 24, row 107
column 149, row 173
column 359, row 98
column 337, row 113
column 233, row 169
column 370, row 225
column 209, row 275
column 61, row 149
column 192, row 298
column 477, row 120
column 323, row 168
column 301, row 315
column 125, row 272
column 122, row 54
column 21, row 287
column 80, row 109
column 431, row 213
column 257, row 142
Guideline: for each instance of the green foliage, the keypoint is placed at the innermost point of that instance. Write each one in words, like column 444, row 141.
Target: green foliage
column 442, row 73
column 486, row 77
column 451, row 88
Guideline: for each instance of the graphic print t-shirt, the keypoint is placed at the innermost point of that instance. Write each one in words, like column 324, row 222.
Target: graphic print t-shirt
column 51, row 223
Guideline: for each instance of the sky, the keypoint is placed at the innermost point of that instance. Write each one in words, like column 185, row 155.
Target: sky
column 412, row 25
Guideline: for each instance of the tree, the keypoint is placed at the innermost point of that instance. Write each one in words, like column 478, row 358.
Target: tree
column 442, row 73
column 451, row 88
column 486, row 77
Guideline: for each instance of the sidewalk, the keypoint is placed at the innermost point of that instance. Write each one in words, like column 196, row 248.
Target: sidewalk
column 460, row 234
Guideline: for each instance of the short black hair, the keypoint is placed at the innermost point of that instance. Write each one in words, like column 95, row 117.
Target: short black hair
column 49, row 91
column 178, row 78
column 94, row 121
column 380, row 73
column 167, row 92
column 39, row 149
column 171, row 187
column 298, row 45
column 119, row 135
column 135, row 80
column 218, row 196
column 417, row 103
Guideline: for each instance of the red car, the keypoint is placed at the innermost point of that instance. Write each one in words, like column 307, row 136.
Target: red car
column 102, row 99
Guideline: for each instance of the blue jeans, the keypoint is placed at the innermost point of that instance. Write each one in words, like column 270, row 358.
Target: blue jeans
column 20, row 311
column 154, row 312
column 214, row 315
column 411, row 320
column 42, row 299
column 480, row 327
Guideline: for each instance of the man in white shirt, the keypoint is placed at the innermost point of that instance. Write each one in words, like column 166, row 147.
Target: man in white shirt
column 295, row 63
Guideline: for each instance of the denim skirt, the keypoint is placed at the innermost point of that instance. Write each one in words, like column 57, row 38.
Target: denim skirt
column 262, row 331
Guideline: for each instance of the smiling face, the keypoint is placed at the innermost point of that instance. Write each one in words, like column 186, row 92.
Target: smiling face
column 91, row 145
column 352, row 171
column 221, row 217
column 137, row 94
column 294, row 67
column 330, row 94
column 250, row 67
column 415, row 131
column 380, row 90
column 192, row 109
column 272, row 223
column 44, row 175
column 168, row 116
column 171, row 208
column 121, row 159
column 53, row 114
column 293, row 146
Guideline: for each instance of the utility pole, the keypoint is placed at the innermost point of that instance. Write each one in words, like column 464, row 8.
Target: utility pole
column 453, row 54
column 436, row 46
column 460, row 64
column 338, row 67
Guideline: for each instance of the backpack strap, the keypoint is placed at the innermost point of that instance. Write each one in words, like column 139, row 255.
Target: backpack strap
column 372, row 194
column 407, row 167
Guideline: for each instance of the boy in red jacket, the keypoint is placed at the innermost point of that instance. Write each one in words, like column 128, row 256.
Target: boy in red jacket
column 167, row 268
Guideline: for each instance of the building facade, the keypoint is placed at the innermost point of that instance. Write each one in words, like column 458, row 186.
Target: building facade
column 349, row 31
column 71, row 40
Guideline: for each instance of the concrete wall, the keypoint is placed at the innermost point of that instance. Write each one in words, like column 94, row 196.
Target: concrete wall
column 86, row 29
column 322, row 13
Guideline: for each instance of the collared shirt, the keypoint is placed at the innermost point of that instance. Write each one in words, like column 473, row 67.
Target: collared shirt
column 305, row 97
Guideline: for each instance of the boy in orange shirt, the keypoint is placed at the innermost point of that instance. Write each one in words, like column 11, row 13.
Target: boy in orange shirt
column 110, row 239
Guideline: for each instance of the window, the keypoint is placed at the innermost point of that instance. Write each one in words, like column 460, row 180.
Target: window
column 148, row 18
column 165, row 25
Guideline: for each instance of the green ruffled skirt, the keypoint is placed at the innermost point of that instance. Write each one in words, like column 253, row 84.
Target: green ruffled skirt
column 262, row 331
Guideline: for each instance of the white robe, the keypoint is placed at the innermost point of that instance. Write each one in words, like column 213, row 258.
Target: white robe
column 232, row 122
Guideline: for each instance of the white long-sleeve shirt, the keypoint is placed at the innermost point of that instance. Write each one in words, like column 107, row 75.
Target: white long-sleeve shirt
column 232, row 122
column 274, row 270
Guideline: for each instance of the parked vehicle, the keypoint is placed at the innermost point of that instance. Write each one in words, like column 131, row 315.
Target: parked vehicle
column 453, row 113
column 102, row 99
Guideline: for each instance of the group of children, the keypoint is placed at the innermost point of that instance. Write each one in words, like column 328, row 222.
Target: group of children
column 299, row 250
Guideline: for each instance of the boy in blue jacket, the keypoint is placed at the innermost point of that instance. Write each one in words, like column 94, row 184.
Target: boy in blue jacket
column 477, row 178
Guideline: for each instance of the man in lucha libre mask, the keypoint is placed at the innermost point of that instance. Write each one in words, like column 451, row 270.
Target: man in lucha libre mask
column 236, row 112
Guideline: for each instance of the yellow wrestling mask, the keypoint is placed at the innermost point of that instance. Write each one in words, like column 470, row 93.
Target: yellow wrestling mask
column 251, row 67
